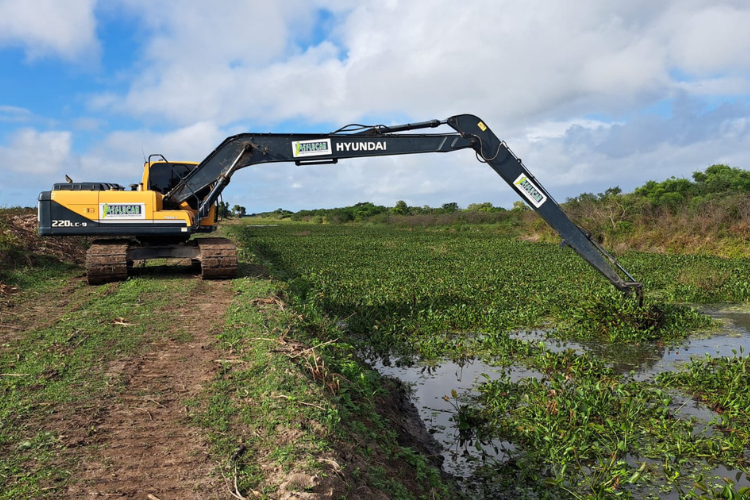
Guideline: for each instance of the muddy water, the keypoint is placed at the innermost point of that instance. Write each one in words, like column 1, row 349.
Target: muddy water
column 433, row 384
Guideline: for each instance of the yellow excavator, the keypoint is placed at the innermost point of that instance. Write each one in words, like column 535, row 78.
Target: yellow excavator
column 136, row 224
column 174, row 201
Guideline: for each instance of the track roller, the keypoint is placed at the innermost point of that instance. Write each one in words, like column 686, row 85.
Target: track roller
column 110, row 260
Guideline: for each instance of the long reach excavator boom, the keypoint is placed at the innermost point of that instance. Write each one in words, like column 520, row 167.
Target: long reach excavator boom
column 188, row 195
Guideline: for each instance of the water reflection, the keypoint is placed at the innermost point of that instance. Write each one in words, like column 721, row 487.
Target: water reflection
column 647, row 359
column 432, row 388
column 431, row 383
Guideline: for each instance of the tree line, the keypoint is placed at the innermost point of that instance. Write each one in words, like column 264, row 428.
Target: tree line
column 709, row 212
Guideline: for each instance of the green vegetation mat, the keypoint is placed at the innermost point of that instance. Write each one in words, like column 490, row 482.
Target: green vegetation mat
column 576, row 430
column 409, row 287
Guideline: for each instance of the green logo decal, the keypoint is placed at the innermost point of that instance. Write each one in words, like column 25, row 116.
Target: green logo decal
column 311, row 148
column 122, row 211
column 530, row 191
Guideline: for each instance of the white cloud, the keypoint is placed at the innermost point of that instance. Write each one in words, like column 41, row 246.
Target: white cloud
column 419, row 180
column 511, row 62
column 198, row 35
column 31, row 152
column 14, row 114
column 32, row 162
column 648, row 147
column 39, row 159
column 716, row 86
column 705, row 38
column 557, row 129
column 119, row 157
column 49, row 28
column 565, row 83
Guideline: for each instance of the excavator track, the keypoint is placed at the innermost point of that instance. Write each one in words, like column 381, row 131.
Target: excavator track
column 218, row 258
column 107, row 261
column 110, row 260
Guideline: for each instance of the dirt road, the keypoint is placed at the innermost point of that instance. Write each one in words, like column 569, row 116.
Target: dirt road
column 144, row 443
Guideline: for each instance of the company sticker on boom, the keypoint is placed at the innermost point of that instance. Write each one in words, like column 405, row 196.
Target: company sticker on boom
column 530, row 191
column 113, row 211
column 318, row 147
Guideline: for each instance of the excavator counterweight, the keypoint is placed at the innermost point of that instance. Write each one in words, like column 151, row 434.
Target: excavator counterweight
column 157, row 218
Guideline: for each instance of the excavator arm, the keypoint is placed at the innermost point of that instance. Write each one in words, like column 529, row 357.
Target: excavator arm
column 244, row 150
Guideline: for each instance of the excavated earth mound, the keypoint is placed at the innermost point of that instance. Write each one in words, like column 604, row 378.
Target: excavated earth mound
column 20, row 231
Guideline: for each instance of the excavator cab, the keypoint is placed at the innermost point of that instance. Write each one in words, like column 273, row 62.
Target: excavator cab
column 137, row 225
column 163, row 176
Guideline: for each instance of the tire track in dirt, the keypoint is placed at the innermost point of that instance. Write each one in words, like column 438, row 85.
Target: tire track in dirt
column 145, row 443
column 23, row 314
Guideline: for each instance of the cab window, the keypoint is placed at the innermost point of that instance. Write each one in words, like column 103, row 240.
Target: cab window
column 164, row 176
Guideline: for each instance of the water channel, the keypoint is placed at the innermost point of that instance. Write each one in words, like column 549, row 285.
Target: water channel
column 432, row 384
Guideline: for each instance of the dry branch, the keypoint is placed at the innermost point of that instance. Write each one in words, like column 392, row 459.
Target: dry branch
column 284, row 396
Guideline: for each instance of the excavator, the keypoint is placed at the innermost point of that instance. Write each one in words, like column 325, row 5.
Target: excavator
column 158, row 217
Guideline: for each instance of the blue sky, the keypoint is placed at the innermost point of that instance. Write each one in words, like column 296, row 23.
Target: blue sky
column 590, row 94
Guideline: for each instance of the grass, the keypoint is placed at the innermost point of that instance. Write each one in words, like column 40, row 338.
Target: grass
column 50, row 372
column 297, row 400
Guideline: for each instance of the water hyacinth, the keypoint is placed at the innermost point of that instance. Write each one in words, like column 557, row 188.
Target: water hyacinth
column 412, row 286
column 578, row 428
column 614, row 317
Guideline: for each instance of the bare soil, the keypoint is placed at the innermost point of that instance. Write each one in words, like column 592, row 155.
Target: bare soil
column 144, row 444
column 22, row 230
column 34, row 314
